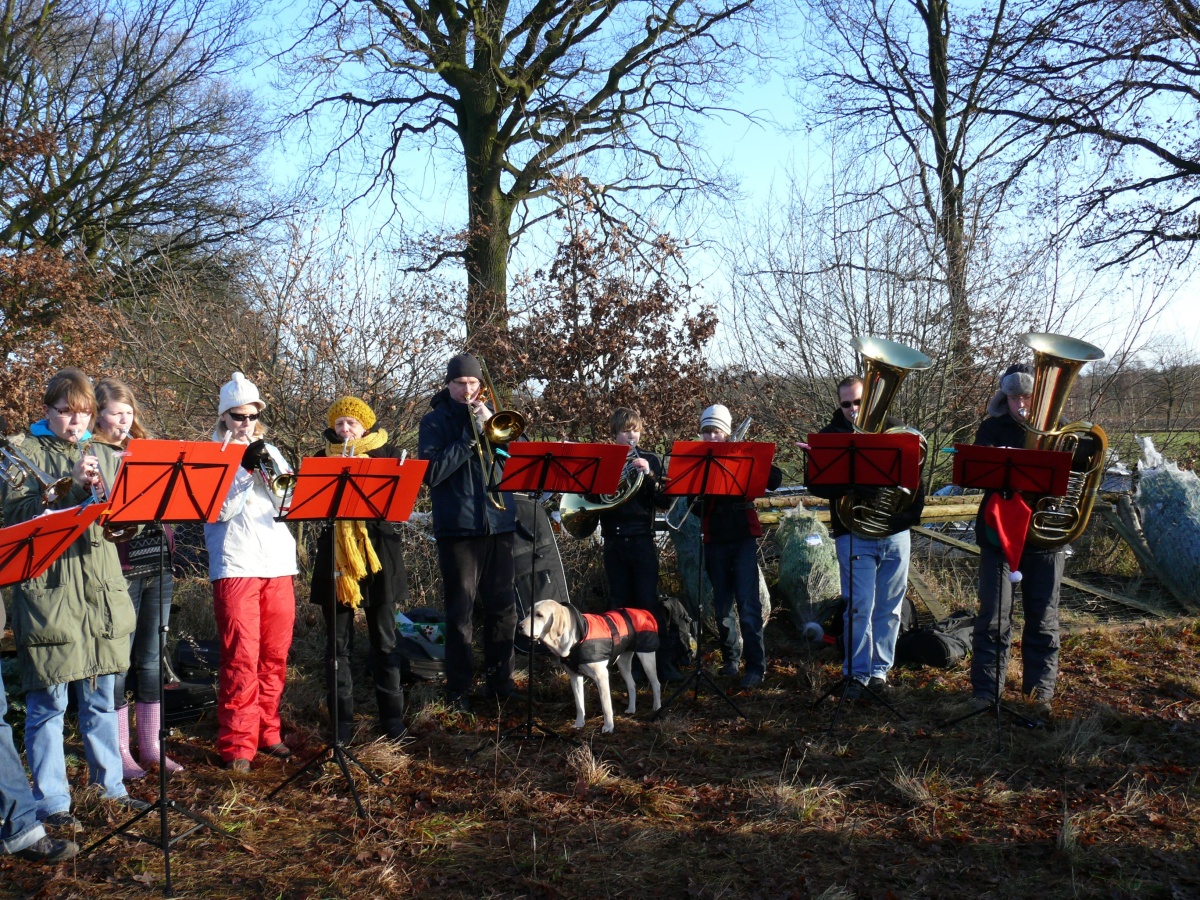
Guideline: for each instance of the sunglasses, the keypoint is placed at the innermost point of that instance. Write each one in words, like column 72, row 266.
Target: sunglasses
column 846, row 404
column 243, row 417
column 66, row 412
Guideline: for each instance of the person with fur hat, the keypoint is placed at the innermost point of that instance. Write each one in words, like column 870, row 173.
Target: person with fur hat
column 360, row 565
column 251, row 564
column 474, row 537
column 1039, row 570
column 730, row 530
column 879, row 566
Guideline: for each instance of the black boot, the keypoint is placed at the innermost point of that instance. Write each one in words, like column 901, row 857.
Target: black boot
column 667, row 671
column 391, row 714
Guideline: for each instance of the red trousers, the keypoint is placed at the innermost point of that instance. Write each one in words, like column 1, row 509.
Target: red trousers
column 254, row 624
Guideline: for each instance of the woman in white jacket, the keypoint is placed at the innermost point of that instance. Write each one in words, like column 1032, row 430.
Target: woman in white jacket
column 251, row 562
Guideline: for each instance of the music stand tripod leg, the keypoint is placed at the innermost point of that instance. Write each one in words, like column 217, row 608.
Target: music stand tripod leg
column 163, row 804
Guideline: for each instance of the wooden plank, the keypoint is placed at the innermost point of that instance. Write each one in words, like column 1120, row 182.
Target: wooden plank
column 1069, row 582
column 919, row 586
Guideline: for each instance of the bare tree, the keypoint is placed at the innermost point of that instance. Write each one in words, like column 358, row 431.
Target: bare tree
column 306, row 321
column 526, row 93
column 905, row 84
column 1117, row 82
column 147, row 142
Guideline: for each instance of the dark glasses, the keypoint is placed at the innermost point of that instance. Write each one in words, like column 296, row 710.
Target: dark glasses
column 243, row 417
column 846, row 404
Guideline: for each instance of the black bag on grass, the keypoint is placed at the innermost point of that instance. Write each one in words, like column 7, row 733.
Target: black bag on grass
column 943, row 645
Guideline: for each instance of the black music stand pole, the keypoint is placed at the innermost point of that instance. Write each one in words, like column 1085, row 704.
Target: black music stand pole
column 559, row 467
column 701, row 470
column 1008, row 470
column 143, row 479
column 850, row 461
column 332, row 489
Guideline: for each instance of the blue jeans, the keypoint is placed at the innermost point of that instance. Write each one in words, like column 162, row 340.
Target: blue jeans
column 19, row 826
column 143, row 643
column 733, row 570
column 880, row 569
column 44, row 712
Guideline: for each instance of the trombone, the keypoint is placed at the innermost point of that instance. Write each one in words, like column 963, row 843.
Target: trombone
column 18, row 466
column 501, row 427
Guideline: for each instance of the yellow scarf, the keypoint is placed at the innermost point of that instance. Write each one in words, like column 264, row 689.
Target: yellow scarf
column 353, row 556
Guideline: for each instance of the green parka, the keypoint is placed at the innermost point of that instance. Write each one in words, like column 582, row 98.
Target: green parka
column 73, row 622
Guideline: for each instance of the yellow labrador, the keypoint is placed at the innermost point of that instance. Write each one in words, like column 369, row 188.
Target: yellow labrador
column 586, row 644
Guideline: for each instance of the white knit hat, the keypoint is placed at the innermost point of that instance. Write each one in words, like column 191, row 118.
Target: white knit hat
column 239, row 391
column 717, row 416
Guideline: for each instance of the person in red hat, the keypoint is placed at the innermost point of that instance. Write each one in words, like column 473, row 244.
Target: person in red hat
column 1006, row 561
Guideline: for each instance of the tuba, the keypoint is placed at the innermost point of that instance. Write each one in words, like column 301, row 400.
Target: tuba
column 502, row 426
column 885, row 366
column 1057, row 359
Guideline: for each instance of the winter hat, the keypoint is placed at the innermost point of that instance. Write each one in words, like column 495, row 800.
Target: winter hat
column 1017, row 380
column 717, row 416
column 351, row 407
column 239, row 391
column 1009, row 517
column 463, row 366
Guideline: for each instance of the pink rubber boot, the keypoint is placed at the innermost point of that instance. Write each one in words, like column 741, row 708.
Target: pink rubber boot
column 149, row 718
column 129, row 768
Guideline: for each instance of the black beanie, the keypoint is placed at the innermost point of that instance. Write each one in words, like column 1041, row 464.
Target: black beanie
column 463, row 366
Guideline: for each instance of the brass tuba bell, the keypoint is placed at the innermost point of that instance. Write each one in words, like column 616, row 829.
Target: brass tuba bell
column 1057, row 359
column 885, row 365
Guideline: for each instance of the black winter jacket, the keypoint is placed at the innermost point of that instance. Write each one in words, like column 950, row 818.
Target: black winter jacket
column 898, row 523
column 729, row 520
column 636, row 515
column 455, row 476
column 390, row 583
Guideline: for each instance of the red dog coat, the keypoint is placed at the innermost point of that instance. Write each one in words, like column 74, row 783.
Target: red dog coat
column 605, row 637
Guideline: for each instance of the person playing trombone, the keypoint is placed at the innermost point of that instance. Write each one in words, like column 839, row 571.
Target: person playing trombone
column 474, row 525
column 73, row 623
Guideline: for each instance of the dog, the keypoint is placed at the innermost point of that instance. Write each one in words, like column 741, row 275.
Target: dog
column 586, row 644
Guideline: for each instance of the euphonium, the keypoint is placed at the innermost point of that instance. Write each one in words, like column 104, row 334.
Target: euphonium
column 885, row 366
column 502, row 426
column 18, row 466
column 580, row 516
column 1056, row 361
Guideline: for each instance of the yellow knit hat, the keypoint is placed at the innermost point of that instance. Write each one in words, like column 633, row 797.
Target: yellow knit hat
column 351, row 407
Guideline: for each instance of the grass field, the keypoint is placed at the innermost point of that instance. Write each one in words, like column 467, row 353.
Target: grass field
column 702, row 804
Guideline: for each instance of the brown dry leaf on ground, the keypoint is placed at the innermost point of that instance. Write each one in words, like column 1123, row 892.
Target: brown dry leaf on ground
column 704, row 805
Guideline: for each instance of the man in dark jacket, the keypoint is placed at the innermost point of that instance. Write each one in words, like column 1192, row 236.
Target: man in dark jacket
column 878, row 565
column 474, row 535
column 1041, row 571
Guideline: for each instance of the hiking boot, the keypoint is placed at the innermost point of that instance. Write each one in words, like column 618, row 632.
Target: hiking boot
column 133, row 804
column 49, row 850
column 750, row 679
column 240, row 766
column 880, row 686
column 853, row 689
column 730, row 668
column 62, row 820
column 279, row 750
column 458, row 702
column 667, row 672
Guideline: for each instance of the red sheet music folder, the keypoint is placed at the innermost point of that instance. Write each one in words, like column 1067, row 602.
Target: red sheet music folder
column 865, row 460
column 360, row 487
column 1012, row 469
column 561, row 467
column 28, row 549
column 716, row 469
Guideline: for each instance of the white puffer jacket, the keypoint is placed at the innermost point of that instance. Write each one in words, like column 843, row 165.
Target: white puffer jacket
column 246, row 541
